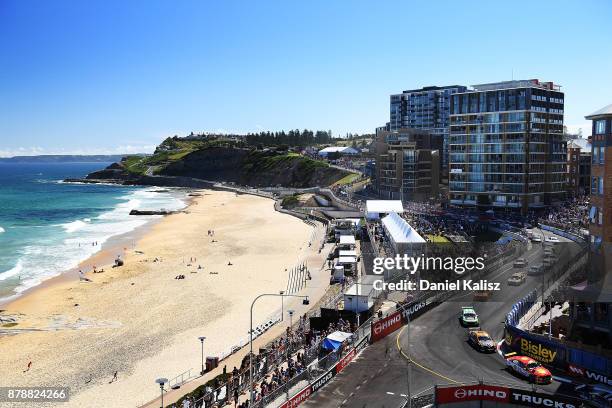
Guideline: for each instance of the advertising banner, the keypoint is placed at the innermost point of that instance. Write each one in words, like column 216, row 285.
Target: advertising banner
column 483, row 392
column 414, row 310
column 345, row 360
column 587, row 374
column 384, row 327
column 536, row 399
column 480, row 392
column 525, row 344
column 322, row 380
column 298, row 398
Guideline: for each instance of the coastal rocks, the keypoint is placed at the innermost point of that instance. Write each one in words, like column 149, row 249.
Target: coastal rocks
column 152, row 212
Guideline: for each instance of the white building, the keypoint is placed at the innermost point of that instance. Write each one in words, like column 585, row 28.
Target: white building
column 356, row 299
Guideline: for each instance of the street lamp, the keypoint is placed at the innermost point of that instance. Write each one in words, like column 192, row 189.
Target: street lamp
column 290, row 318
column 282, row 292
column 161, row 381
column 305, row 301
column 202, row 338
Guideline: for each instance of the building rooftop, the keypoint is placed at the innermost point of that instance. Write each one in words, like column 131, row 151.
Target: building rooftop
column 520, row 83
column 606, row 110
column 580, row 143
column 433, row 88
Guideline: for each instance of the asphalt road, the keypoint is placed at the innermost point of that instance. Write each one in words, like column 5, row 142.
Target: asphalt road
column 437, row 344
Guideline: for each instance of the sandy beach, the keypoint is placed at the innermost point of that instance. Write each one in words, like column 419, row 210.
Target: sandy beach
column 141, row 322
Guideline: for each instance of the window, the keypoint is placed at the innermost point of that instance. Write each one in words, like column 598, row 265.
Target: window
column 593, row 185
column 601, row 186
column 600, row 127
column 600, row 213
column 601, row 155
column 595, row 155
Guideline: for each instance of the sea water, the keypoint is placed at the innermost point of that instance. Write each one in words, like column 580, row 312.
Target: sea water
column 47, row 226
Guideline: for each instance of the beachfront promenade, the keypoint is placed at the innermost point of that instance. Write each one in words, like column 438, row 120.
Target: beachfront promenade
column 315, row 289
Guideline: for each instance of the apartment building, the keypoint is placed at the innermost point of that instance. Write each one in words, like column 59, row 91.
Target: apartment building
column 428, row 109
column 407, row 164
column 578, row 167
column 506, row 146
column 591, row 317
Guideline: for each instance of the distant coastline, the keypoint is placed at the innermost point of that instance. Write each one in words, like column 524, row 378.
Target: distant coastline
column 66, row 158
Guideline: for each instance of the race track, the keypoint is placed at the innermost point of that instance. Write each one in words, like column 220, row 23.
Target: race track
column 437, row 345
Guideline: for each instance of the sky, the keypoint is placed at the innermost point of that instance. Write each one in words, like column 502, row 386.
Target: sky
column 111, row 76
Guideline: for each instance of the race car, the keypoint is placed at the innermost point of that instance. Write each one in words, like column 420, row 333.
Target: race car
column 529, row 368
column 468, row 316
column 481, row 340
column 517, row 279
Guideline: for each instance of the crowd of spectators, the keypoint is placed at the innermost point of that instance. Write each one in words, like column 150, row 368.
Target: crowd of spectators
column 572, row 215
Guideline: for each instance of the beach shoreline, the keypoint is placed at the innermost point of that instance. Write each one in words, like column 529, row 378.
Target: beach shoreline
column 103, row 253
column 139, row 320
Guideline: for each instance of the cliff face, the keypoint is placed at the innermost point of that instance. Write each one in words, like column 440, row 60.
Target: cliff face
column 242, row 166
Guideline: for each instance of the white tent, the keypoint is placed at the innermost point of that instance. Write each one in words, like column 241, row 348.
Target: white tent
column 338, row 149
column 374, row 208
column 347, row 240
column 334, row 340
column 400, row 233
column 347, row 260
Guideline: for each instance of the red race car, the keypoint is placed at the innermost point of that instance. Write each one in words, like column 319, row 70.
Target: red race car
column 529, row 368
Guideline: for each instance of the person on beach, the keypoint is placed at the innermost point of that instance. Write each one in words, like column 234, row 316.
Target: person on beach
column 28, row 368
column 114, row 377
column 82, row 277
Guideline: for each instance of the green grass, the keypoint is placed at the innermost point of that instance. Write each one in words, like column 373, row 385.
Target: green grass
column 438, row 239
column 290, row 201
column 135, row 164
column 348, row 179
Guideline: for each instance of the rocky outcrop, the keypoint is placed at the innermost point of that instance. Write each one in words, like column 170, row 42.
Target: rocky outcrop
column 152, row 212
column 201, row 168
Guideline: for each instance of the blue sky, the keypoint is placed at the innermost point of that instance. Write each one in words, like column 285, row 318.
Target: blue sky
column 119, row 76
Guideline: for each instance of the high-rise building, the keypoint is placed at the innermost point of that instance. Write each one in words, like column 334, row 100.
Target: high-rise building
column 407, row 164
column 578, row 167
column 591, row 316
column 428, row 109
column 506, row 146
column 601, row 176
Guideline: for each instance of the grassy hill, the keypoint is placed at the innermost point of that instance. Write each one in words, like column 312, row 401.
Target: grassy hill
column 223, row 160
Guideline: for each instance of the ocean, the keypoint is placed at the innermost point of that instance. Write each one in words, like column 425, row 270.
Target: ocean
column 47, row 226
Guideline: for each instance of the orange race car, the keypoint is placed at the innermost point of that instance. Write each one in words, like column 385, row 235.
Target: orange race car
column 529, row 368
